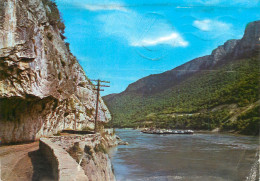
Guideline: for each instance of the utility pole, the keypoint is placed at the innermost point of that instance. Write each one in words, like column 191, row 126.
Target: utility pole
column 97, row 101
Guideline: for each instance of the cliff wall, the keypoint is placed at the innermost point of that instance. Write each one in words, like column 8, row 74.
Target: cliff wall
column 43, row 89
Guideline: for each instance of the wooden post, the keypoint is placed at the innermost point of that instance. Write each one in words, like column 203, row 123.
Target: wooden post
column 96, row 117
column 97, row 101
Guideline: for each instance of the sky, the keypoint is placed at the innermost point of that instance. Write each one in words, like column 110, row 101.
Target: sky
column 122, row 41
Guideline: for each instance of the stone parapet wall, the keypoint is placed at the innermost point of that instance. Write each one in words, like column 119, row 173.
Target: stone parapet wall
column 64, row 167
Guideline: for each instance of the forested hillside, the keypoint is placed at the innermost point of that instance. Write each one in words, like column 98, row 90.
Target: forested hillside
column 221, row 95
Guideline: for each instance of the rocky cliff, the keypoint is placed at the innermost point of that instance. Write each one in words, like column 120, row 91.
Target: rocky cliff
column 43, row 89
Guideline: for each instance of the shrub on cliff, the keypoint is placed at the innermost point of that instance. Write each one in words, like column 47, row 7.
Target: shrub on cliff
column 54, row 15
column 100, row 148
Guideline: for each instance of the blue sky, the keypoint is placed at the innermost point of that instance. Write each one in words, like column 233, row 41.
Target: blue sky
column 124, row 40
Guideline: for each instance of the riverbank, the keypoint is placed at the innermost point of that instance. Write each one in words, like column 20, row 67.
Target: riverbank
column 215, row 131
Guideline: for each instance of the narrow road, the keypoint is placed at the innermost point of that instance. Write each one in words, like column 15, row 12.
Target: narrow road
column 24, row 163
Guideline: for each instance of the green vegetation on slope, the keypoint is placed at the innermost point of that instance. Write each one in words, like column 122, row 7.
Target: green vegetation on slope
column 206, row 100
column 248, row 122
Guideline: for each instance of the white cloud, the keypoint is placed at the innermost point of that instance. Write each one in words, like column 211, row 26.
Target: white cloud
column 105, row 7
column 211, row 25
column 214, row 30
column 173, row 39
column 202, row 25
column 136, row 29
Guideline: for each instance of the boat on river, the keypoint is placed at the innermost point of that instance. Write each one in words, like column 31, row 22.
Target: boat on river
column 165, row 131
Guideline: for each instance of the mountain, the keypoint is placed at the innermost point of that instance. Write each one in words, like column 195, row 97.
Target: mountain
column 43, row 89
column 215, row 91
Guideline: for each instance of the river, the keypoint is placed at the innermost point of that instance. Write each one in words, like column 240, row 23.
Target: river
column 196, row 157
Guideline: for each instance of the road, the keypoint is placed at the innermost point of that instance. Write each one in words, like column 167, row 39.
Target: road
column 24, row 163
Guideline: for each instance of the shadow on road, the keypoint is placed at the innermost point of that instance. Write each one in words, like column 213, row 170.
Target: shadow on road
column 42, row 170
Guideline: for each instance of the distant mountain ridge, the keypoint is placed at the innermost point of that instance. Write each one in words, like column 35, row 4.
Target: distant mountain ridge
column 194, row 86
column 232, row 48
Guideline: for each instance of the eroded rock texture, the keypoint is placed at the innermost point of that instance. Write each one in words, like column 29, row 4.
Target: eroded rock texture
column 90, row 152
column 43, row 89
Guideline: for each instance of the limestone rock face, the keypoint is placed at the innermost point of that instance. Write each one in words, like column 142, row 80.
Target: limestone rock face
column 250, row 41
column 43, row 89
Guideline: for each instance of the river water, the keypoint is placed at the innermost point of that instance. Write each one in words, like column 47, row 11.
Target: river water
column 196, row 157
